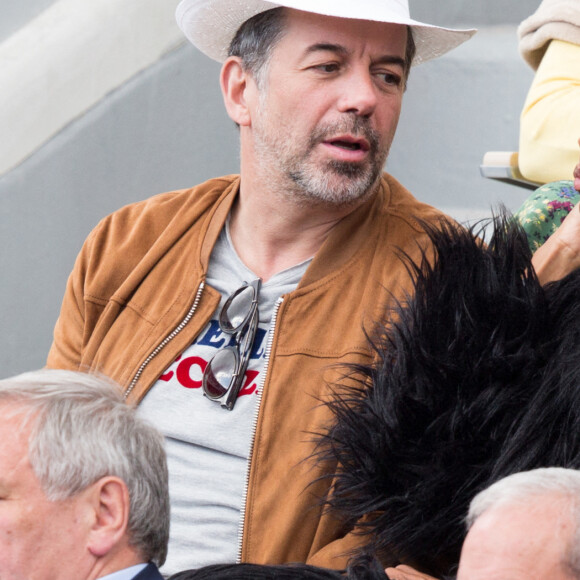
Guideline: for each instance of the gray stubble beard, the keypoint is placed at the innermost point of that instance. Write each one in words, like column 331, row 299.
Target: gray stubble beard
column 311, row 183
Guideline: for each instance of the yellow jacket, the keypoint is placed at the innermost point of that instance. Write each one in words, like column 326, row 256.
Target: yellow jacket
column 550, row 120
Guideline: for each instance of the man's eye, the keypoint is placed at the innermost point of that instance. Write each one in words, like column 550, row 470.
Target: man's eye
column 390, row 78
column 327, row 67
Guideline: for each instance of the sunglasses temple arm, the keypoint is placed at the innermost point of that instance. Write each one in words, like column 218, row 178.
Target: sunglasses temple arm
column 248, row 342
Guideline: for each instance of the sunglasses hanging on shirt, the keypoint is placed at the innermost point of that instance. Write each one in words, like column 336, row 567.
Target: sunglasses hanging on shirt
column 224, row 374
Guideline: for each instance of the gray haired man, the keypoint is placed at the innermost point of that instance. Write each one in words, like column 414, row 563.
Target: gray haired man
column 525, row 527
column 83, row 482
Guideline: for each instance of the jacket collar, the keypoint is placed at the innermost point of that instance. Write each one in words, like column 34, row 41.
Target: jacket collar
column 350, row 234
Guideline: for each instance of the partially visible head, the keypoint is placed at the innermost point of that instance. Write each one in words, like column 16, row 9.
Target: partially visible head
column 259, row 572
column 525, row 526
column 366, row 567
column 87, row 477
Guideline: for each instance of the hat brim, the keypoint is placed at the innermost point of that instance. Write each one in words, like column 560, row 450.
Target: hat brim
column 210, row 25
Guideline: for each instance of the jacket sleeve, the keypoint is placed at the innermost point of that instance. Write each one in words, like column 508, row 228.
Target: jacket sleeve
column 110, row 253
column 71, row 326
column 336, row 554
column 550, row 119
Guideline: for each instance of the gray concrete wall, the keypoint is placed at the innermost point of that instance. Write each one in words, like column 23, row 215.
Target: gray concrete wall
column 166, row 129
column 472, row 12
column 16, row 13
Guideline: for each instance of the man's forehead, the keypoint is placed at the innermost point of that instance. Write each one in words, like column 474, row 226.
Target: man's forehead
column 313, row 31
column 16, row 426
column 17, row 411
column 299, row 21
column 13, row 407
column 14, row 432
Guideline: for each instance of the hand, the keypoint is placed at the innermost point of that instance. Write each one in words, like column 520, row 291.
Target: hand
column 577, row 174
column 560, row 254
column 406, row 573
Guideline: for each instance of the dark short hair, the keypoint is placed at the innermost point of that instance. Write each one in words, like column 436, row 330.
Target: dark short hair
column 410, row 51
column 257, row 37
column 366, row 567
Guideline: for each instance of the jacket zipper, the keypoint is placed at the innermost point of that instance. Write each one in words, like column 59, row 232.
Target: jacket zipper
column 166, row 340
column 255, row 426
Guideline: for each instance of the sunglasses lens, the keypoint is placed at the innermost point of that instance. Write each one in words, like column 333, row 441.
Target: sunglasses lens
column 237, row 309
column 218, row 374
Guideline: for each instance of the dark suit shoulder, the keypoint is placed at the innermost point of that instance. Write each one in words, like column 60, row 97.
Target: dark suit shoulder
column 149, row 573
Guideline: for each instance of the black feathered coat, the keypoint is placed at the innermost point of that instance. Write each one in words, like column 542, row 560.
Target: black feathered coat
column 477, row 376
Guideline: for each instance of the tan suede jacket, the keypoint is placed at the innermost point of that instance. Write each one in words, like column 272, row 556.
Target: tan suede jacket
column 136, row 299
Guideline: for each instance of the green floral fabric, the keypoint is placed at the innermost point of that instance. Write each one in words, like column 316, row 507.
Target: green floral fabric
column 543, row 212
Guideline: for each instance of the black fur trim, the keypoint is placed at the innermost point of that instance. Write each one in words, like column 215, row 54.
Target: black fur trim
column 476, row 376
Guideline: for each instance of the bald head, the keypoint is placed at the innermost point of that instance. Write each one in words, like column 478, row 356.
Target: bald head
column 520, row 542
column 524, row 527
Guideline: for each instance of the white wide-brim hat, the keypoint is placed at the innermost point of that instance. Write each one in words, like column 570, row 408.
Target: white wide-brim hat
column 212, row 24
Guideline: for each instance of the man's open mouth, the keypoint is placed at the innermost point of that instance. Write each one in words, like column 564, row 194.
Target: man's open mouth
column 349, row 144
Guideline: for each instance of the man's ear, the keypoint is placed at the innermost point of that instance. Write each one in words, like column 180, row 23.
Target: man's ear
column 235, row 83
column 109, row 500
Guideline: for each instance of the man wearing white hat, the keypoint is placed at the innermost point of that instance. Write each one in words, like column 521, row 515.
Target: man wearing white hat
column 224, row 309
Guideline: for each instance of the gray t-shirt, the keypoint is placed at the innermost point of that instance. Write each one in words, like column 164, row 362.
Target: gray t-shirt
column 207, row 446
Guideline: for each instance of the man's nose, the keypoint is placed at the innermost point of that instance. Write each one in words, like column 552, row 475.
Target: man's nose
column 359, row 94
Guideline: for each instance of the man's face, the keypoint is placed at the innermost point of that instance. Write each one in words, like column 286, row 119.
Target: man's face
column 327, row 113
column 520, row 542
column 39, row 539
